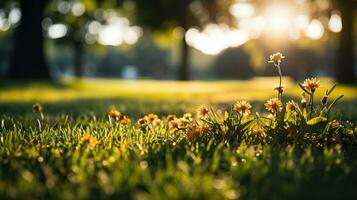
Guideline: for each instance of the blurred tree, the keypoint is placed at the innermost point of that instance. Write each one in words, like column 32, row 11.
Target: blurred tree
column 28, row 60
column 161, row 15
column 345, row 67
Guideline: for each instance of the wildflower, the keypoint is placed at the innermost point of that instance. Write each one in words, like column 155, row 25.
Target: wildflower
column 114, row 114
column 37, row 108
column 156, row 122
column 242, row 107
column 303, row 101
column 276, row 58
column 291, row 106
column 259, row 132
column 151, row 117
column 193, row 132
column 88, row 139
column 174, row 124
column 273, row 105
column 125, row 120
column 141, row 122
column 187, row 116
column 278, row 88
column 171, row 118
column 202, row 112
column 182, row 123
column 311, row 84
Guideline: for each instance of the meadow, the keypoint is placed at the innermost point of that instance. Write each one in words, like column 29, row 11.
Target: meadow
column 110, row 139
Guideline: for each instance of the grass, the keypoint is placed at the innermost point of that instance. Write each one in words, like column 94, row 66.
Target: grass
column 50, row 158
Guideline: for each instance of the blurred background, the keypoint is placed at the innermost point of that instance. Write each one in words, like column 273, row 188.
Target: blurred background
column 176, row 39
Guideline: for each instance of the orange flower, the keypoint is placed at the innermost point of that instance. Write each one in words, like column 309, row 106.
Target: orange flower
column 273, row 105
column 187, row 116
column 141, row 122
column 202, row 112
column 259, row 132
column 242, row 107
column 125, row 120
column 291, row 105
column 311, row 84
column 171, row 118
column 151, row 117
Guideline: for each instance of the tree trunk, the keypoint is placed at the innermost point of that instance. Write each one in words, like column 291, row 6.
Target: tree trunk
column 184, row 73
column 345, row 69
column 28, row 59
column 78, row 59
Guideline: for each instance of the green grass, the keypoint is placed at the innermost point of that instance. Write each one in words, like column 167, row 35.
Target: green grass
column 45, row 158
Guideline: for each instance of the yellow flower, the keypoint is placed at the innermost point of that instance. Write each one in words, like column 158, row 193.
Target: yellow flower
column 174, row 124
column 182, row 123
column 242, row 107
column 125, row 120
column 202, row 111
column 88, row 139
column 311, row 84
column 187, row 116
column 195, row 131
column 273, row 105
column 141, row 122
column 36, row 108
column 151, row 117
column 291, row 105
column 276, row 58
column 114, row 114
column 171, row 118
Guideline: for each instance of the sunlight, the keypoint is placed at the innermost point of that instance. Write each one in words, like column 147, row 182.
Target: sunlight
column 56, row 31
column 242, row 10
column 315, row 30
column 279, row 19
column 335, row 23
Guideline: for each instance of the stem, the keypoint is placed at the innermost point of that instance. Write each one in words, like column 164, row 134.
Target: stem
column 280, row 90
column 311, row 103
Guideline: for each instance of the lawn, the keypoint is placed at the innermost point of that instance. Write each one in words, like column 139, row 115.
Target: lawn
column 74, row 150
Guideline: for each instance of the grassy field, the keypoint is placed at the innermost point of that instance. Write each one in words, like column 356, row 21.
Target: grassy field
column 75, row 151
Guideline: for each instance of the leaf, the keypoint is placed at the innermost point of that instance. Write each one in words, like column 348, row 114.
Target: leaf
column 330, row 91
column 316, row 120
column 324, row 112
column 334, row 102
column 302, row 87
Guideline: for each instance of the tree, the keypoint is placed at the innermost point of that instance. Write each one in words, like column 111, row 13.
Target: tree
column 345, row 67
column 28, row 60
column 161, row 15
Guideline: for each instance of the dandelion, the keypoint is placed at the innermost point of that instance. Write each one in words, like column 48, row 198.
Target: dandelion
column 125, row 120
column 174, row 124
column 311, row 84
column 276, row 58
column 273, row 105
column 37, row 108
column 202, row 112
column 89, row 140
column 182, row 123
column 187, row 116
column 141, row 122
column 259, row 132
column 114, row 114
column 151, row 117
column 242, row 107
column 171, row 117
column 291, row 106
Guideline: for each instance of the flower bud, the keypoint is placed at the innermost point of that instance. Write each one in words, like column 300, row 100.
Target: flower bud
column 324, row 100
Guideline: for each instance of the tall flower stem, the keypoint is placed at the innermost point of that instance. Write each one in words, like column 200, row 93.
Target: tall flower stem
column 280, row 89
column 311, row 104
